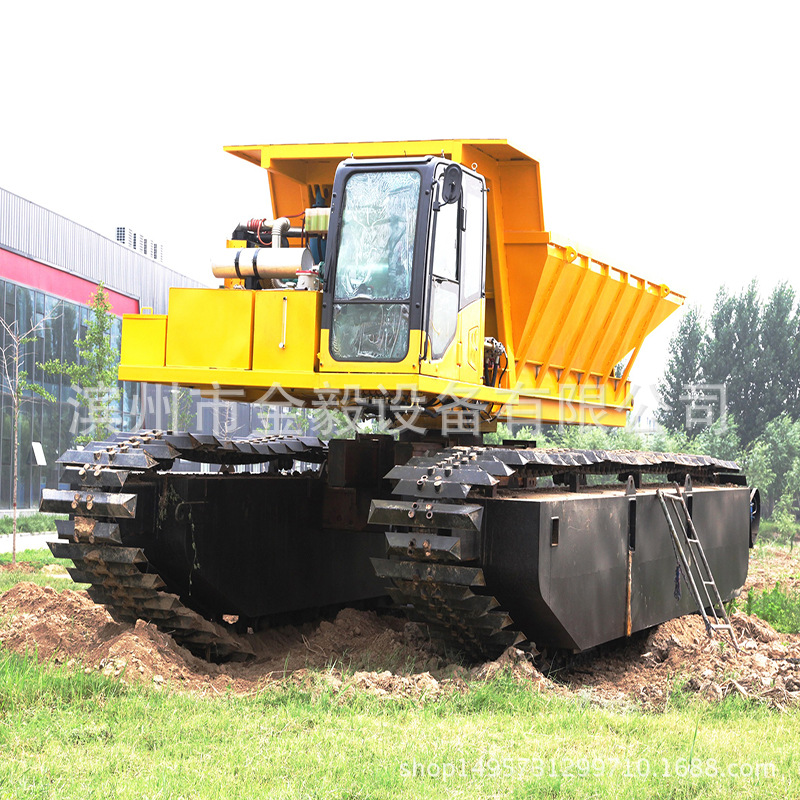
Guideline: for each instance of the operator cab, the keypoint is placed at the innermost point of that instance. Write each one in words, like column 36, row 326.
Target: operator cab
column 405, row 254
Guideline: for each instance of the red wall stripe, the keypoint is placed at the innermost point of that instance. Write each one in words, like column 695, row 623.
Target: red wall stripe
column 19, row 269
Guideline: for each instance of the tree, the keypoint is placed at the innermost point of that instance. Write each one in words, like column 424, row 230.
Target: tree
column 21, row 391
column 719, row 345
column 734, row 355
column 772, row 461
column 719, row 440
column 683, row 371
column 95, row 374
column 181, row 417
column 778, row 330
column 744, row 362
column 745, row 386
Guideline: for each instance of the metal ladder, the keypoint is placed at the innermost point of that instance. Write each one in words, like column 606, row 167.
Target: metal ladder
column 717, row 619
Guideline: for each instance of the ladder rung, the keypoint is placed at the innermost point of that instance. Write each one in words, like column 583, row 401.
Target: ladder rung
column 701, row 566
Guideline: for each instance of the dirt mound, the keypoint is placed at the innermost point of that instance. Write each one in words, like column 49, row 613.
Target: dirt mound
column 515, row 663
column 68, row 627
column 422, row 686
column 354, row 639
column 388, row 657
column 39, row 619
column 20, row 566
column 679, row 656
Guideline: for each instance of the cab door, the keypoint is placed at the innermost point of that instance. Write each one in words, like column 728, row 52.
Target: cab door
column 471, row 304
column 455, row 309
column 440, row 351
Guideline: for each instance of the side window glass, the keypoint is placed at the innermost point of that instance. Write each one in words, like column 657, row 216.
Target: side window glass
column 445, row 253
column 444, row 316
column 473, row 247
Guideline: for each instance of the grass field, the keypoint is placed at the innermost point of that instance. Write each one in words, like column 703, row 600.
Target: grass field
column 29, row 565
column 64, row 734
column 37, row 558
column 68, row 734
column 778, row 606
column 30, row 523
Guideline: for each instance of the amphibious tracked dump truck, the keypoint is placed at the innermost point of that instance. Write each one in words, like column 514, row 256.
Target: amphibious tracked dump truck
column 413, row 283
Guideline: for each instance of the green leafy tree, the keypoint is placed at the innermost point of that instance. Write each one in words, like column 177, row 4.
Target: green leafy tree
column 20, row 390
column 181, row 408
column 771, row 460
column 760, row 472
column 734, row 354
column 526, row 433
column 665, row 441
column 745, row 384
column 719, row 440
column 718, row 341
column 95, row 374
column 745, row 356
column 778, row 332
column 684, row 370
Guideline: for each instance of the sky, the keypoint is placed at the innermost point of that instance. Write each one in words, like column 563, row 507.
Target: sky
column 666, row 132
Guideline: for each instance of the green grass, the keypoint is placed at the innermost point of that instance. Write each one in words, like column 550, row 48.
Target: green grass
column 36, row 559
column 778, row 533
column 778, row 606
column 68, row 734
column 30, row 523
column 12, row 578
column 64, row 734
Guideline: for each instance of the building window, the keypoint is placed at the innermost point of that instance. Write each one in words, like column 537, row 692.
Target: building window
column 52, row 424
column 121, row 235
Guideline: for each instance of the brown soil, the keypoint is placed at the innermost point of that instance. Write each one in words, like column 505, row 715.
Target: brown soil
column 386, row 656
column 21, row 566
column 381, row 654
column 679, row 656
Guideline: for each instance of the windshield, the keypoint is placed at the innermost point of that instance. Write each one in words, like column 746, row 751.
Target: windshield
column 373, row 266
column 376, row 244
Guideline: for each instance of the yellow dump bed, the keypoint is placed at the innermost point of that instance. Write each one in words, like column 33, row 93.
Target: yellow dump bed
column 566, row 318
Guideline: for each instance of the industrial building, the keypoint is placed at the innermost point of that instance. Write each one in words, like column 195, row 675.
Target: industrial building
column 51, row 264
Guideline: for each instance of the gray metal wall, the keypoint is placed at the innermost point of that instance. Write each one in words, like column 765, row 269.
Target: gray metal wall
column 33, row 231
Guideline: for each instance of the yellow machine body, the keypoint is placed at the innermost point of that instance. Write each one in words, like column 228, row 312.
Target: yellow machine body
column 564, row 318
